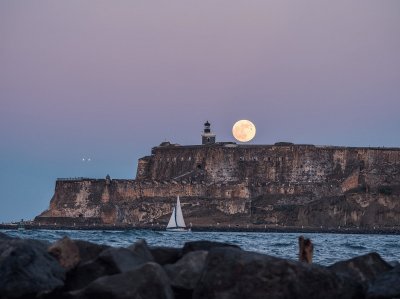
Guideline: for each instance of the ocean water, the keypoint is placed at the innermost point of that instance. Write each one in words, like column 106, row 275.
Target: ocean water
column 328, row 248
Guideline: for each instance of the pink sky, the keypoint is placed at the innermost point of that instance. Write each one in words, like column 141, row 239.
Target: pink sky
column 111, row 79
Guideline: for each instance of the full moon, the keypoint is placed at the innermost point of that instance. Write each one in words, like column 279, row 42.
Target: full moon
column 244, row 130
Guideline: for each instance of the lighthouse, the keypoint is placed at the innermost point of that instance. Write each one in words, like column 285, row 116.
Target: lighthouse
column 207, row 137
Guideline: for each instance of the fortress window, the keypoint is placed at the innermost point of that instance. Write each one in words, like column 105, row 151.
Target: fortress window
column 182, row 159
column 198, row 166
column 190, row 158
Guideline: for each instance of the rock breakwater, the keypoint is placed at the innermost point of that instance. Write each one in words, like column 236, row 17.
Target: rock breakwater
column 201, row 269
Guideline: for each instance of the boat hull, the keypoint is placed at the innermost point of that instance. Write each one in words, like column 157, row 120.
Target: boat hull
column 178, row 229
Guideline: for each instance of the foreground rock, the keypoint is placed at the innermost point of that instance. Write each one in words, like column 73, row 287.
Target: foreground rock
column 110, row 261
column 386, row 285
column 70, row 253
column 186, row 272
column 26, row 269
column 89, row 251
column 166, row 255
column 200, row 270
column 232, row 273
column 4, row 237
column 147, row 281
column 363, row 268
column 66, row 252
column 204, row 245
column 141, row 249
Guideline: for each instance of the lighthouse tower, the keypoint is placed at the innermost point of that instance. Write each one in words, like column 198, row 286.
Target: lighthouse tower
column 207, row 137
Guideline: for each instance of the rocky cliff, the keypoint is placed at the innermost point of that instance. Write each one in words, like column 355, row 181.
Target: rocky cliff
column 228, row 184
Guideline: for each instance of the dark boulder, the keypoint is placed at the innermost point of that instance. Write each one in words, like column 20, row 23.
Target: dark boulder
column 26, row 269
column 66, row 252
column 186, row 272
column 142, row 249
column 147, row 281
column 204, row 245
column 89, row 251
column 110, row 261
column 364, row 268
column 232, row 273
column 121, row 259
column 386, row 285
column 5, row 237
column 41, row 243
column 165, row 255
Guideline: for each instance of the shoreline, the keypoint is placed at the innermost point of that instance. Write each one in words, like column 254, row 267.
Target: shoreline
column 259, row 229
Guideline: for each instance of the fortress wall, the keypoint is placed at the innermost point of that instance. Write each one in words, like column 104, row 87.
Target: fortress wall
column 84, row 198
column 218, row 191
column 171, row 162
column 277, row 185
column 88, row 197
column 283, row 164
column 123, row 190
column 76, row 198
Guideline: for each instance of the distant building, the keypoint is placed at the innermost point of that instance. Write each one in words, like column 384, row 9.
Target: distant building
column 207, row 137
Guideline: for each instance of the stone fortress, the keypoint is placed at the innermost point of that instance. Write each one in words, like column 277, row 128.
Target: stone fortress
column 224, row 184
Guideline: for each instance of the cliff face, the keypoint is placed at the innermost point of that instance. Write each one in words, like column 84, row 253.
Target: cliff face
column 292, row 185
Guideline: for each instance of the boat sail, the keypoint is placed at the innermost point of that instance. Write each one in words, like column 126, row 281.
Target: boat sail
column 176, row 222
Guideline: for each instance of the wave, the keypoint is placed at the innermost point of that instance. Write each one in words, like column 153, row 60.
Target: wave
column 354, row 246
column 280, row 244
column 391, row 245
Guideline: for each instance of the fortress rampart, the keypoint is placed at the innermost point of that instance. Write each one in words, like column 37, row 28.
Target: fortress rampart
column 230, row 184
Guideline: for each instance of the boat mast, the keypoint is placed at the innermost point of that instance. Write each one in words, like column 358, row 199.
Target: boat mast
column 176, row 208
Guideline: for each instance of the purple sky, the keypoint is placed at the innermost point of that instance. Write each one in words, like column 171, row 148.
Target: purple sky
column 111, row 79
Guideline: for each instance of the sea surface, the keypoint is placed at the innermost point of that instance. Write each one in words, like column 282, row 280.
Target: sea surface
column 328, row 248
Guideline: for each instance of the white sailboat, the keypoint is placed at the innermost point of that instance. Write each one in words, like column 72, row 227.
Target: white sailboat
column 176, row 222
